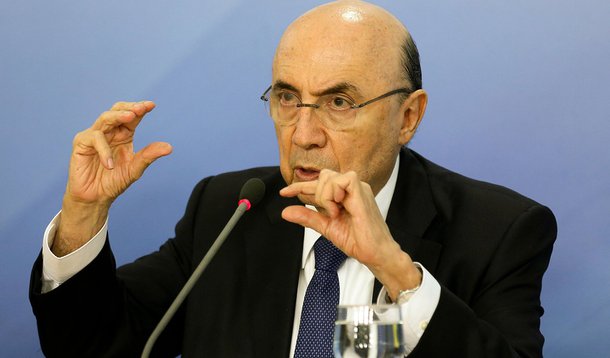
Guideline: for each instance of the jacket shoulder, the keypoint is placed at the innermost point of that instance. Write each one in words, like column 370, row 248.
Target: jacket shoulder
column 450, row 189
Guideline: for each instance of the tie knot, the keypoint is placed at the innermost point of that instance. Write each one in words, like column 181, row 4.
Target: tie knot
column 328, row 256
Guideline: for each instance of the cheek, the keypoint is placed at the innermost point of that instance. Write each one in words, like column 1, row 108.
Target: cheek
column 370, row 148
column 284, row 140
column 351, row 149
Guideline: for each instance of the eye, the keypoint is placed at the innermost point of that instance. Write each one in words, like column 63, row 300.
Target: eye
column 287, row 98
column 339, row 103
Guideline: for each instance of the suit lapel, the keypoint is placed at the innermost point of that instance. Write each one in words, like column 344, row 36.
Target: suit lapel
column 272, row 283
column 411, row 213
column 274, row 249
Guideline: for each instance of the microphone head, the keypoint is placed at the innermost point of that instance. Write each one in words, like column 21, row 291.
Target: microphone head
column 253, row 190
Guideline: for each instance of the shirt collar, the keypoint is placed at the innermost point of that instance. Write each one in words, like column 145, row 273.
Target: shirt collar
column 383, row 200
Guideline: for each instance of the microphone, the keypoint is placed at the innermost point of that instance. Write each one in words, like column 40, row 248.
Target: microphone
column 251, row 194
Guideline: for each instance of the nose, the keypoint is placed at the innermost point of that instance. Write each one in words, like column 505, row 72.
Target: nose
column 309, row 133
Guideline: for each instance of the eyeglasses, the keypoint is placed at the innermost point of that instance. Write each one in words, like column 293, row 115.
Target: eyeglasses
column 336, row 110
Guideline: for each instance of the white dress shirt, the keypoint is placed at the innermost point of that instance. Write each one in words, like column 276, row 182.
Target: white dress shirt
column 355, row 280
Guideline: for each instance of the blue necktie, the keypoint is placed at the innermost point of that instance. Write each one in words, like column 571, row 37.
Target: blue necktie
column 315, row 339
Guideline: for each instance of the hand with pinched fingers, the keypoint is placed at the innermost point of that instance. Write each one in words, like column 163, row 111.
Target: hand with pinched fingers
column 103, row 162
column 102, row 166
column 349, row 217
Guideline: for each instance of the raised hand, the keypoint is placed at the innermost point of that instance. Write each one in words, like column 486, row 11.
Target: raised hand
column 349, row 217
column 103, row 162
column 102, row 166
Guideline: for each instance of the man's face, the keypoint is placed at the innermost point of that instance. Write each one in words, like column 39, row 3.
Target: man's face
column 314, row 58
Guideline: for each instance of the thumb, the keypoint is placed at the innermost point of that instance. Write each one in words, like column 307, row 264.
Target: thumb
column 147, row 155
column 306, row 217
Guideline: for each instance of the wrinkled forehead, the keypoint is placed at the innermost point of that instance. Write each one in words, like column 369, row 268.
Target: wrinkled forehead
column 339, row 47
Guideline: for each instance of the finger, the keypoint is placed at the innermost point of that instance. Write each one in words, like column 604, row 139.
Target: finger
column 322, row 189
column 325, row 194
column 140, row 109
column 112, row 119
column 146, row 156
column 346, row 184
column 128, row 114
column 306, row 217
column 334, row 201
column 306, row 188
column 339, row 192
column 333, row 191
column 142, row 106
column 360, row 199
column 84, row 141
column 333, row 186
column 119, row 106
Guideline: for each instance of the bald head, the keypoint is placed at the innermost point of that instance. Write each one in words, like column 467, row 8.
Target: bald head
column 345, row 63
column 366, row 33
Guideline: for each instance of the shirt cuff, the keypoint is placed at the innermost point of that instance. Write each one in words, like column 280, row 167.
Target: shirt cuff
column 57, row 270
column 417, row 312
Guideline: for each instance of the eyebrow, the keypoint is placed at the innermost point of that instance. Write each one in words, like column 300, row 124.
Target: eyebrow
column 340, row 87
column 284, row 85
column 337, row 88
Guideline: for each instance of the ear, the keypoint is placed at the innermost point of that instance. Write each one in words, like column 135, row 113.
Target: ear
column 412, row 111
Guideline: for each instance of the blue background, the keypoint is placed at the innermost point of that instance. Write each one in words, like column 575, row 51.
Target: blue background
column 518, row 96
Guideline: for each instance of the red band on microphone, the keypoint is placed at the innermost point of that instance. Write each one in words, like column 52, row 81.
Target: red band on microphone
column 245, row 201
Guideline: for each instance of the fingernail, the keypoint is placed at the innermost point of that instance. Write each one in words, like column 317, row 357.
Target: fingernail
column 110, row 163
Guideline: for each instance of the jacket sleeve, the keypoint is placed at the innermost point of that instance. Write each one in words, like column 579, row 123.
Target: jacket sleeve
column 502, row 316
column 103, row 311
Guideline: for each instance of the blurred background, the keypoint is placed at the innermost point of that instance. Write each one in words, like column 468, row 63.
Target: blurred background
column 518, row 96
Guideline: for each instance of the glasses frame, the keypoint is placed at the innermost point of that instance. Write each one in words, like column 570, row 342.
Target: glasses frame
column 353, row 106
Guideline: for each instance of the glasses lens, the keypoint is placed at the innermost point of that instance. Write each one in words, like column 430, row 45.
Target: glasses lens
column 283, row 107
column 336, row 111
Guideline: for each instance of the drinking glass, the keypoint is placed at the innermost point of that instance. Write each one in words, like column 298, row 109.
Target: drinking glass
column 369, row 331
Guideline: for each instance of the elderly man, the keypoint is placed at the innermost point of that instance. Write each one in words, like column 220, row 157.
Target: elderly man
column 463, row 259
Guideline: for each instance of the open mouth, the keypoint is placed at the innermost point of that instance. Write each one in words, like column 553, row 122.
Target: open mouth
column 306, row 174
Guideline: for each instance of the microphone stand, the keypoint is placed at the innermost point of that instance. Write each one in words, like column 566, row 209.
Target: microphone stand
column 241, row 209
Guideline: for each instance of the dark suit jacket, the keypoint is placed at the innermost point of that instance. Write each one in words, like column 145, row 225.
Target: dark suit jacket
column 486, row 245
